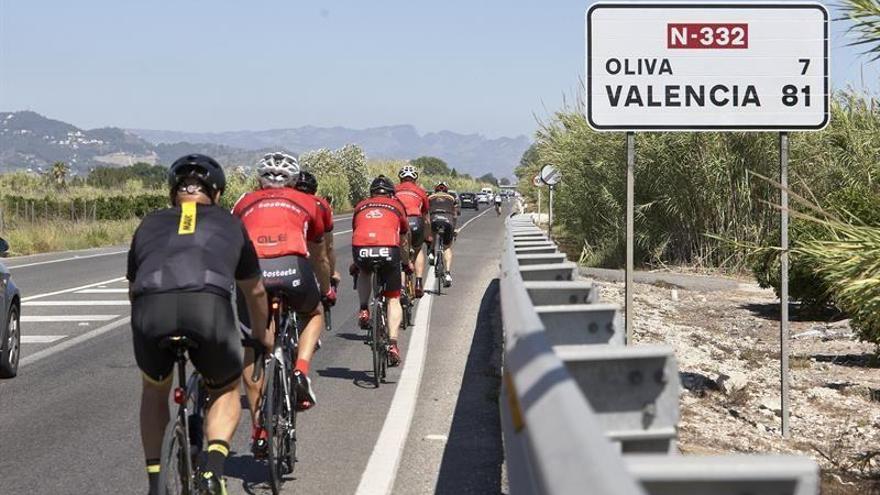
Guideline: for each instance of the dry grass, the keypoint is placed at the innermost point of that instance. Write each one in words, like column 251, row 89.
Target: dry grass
column 62, row 236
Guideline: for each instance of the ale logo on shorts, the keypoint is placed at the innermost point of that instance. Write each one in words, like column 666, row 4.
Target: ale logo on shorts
column 376, row 252
column 374, row 214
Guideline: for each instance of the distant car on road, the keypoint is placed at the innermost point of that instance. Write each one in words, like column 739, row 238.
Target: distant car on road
column 10, row 332
column 468, row 200
column 482, row 198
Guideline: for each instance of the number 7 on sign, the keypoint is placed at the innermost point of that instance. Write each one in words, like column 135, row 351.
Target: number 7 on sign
column 806, row 63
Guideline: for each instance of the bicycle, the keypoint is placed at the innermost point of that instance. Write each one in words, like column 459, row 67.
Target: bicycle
column 408, row 296
column 328, row 321
column 377, row 333
column 439, row 260
column 277, row 411
column 182, row 440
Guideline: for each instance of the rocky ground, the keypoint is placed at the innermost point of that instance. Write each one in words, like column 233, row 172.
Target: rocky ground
column 727, row 346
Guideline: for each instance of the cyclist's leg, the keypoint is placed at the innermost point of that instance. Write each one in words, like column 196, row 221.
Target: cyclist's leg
column 448, row 240
column 252, row 389
column 417, row 229
column 390, row 278
column 210, row 321
column 151, row 320
column 305, row 297
column 365, row 280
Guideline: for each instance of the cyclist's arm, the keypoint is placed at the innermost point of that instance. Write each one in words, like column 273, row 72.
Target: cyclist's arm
column 320, row 263
column 249, row 278
column 330, row 253
column 258, row 308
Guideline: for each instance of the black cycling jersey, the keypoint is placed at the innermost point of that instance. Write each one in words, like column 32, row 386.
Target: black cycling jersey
column 190, row 248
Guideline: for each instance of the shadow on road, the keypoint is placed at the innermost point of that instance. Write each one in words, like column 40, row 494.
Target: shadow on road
column 473, row 458
column 360, row 378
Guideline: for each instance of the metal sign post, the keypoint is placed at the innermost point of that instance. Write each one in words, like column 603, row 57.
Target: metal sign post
column 551, row 176
column 538, row 183
column 783, row 286
column 630, row 221
column 690, row 66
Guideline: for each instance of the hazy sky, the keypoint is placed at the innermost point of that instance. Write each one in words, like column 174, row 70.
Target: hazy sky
column 208, row 65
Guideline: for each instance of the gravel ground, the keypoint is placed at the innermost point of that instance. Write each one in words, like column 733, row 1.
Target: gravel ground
column 727, row 347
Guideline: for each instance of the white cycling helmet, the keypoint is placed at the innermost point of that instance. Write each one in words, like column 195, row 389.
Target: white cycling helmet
column 277, row 170
column 408, row 172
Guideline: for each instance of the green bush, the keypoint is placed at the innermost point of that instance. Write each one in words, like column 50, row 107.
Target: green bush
column 697, row 195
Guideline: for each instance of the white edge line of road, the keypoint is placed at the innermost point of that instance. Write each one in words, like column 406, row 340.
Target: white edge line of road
column 71, row 258
column 340, row 233
column 72, row 289
column 472, row 219
column 381, row 471
column 67, row 344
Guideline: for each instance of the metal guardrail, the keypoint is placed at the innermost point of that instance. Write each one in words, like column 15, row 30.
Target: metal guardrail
column 583, row 413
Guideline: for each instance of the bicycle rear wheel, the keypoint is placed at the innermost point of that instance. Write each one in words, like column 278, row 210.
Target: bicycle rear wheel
column 277, row 419
column 440, row 270
column 377, row 343
column 175, row 473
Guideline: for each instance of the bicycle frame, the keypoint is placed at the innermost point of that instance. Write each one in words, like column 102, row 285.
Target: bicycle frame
column 188, row 438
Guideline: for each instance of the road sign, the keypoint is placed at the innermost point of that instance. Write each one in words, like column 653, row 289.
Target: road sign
column 537, row 182
column 550, row 175
column 709, row 66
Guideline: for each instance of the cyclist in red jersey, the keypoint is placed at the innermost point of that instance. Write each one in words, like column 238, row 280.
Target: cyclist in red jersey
column 380, row 233
column 415, row 200
column 288, row 234
column 307, row 183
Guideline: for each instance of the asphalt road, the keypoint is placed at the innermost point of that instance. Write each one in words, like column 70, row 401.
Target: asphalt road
column 68, row 422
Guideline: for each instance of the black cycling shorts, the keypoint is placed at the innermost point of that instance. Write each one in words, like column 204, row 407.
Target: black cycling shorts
column 205, row 318
column 388, row 260
column 416, row 230
column 290, row 276
column 443, row 222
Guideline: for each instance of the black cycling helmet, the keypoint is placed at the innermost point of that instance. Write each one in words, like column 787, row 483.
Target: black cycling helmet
column 306, row 182
column 441, row 187
column 201, row 167
column 381, row 185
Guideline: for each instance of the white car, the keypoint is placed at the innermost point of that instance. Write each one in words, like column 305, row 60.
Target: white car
column 482, row 198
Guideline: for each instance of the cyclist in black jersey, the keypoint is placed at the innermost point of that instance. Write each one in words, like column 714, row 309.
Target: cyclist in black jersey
column 183, row 266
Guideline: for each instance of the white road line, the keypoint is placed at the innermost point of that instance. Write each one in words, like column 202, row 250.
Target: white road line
column 120, row 302
column 72, row 289
column 72, row 258
column 381, row 471
column 67, row 344
column 103, row 291
column 65, row 318
column 40, row 339
column 472, row 219
column 342, row 218
column 343, row 232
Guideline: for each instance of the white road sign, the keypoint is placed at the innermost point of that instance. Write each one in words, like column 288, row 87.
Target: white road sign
column 705, row 66
column 550, row 175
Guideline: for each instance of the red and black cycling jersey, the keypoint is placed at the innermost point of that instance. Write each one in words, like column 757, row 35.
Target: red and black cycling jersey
column 378, row 221
column 280, row 221
column 326, row 212
column 413, row 198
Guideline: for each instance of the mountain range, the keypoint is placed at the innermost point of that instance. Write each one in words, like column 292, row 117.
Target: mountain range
column 30, row 140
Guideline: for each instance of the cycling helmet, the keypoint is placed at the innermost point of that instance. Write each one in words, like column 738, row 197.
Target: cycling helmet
column 441, row 187
column 408, row 172
column 381, row 185
column 306, row 182
column 203, row 168
column 277, row 170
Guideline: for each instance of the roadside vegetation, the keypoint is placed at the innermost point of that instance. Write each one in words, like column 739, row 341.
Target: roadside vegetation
column 708, row 200
column 60, row 210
